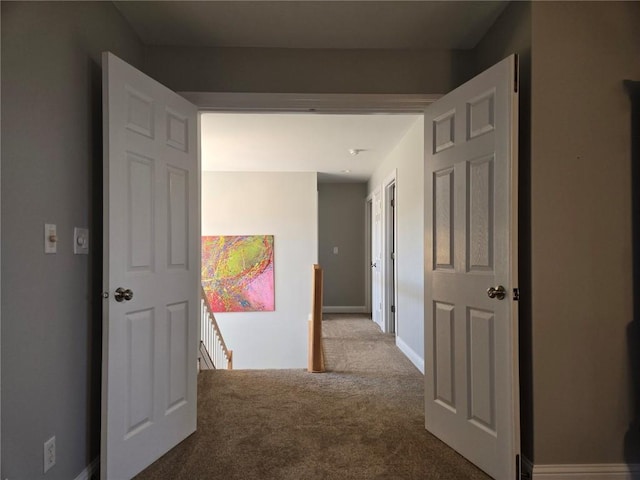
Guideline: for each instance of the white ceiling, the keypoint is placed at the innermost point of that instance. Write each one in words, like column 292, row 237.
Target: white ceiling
column 312, row 24
column 294, row 142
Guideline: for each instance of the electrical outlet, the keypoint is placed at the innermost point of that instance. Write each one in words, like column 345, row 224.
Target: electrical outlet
column 49, row 453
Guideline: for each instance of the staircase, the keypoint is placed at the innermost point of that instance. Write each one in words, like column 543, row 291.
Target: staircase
column 213, row 352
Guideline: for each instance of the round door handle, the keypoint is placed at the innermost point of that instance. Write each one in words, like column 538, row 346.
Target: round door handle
column 373, row 265
column 496, row 292
column 122, row 295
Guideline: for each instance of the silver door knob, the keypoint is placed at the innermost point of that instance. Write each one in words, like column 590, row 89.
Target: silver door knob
column 497, row 292
column 121, row 294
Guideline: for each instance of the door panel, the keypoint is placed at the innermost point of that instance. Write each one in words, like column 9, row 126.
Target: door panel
column 471, row 389
column 444, row 350
column 178, row 228
column 481, row 362
column 443, row 203
column 151, row 247
column 480, row 239
column 141, row 183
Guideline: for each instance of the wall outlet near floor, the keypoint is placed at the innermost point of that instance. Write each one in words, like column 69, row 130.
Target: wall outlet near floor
column 49, row 453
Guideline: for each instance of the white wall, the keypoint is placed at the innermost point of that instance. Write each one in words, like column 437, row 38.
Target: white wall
column 407, row 157
column 284, row 205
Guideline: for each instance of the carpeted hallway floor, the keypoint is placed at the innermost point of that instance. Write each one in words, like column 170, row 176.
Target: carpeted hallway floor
column 363, row 419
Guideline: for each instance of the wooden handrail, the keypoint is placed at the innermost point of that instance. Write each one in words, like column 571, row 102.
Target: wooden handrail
column 228, row 354
column 316, row 357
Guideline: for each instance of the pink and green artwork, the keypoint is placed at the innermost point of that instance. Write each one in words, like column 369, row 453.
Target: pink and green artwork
column 237, row 273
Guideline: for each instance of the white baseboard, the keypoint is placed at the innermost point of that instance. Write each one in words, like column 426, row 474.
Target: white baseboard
column 410, row 354
column 94, row 467
column 344, row 309
column 595, row 471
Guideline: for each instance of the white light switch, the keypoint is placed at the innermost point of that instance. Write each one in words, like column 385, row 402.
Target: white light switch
column 50, row 238
column 81, row 241
column 335, row 250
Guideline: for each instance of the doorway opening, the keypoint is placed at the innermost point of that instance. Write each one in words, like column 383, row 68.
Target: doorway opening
column 389, row 264
column 303, row 179
column 368, row 255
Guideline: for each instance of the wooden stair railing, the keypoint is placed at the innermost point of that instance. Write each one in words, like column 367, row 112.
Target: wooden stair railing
column 213, row 350
column 316, row 357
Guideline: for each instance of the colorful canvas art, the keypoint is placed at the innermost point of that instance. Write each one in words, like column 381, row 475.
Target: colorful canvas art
column 237, row 273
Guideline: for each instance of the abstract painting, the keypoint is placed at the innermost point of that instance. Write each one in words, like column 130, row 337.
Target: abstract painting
column 237, row 273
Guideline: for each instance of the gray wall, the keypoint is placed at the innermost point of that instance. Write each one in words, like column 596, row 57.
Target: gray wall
column 51, row 172
column 581, row 255
column 291, row 70
column 578, row 228
column 341, row 216
column 575, row 225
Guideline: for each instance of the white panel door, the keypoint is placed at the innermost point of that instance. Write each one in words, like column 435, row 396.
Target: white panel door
column 152, row 254
column 471, row 349
column 376, row 256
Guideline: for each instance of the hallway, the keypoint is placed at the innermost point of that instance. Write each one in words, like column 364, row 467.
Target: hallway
column 363, row 419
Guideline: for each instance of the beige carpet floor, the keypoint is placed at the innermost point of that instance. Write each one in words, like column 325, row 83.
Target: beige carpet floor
column 363, row 419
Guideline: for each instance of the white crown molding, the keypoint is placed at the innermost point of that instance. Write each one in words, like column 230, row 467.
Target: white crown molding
column 310, row 102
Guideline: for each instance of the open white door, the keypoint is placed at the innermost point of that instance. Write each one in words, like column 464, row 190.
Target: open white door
column 151, row 270
column 471, row 332
column 376, row 256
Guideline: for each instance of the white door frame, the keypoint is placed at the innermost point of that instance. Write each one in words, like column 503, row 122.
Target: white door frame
column 0, row 318
column 389, row 229
column 314, row 103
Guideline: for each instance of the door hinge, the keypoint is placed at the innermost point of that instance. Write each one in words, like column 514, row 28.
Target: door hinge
column 393, row 203
column 523, row 469
column 516, row 294
column 393, row 309
column 515, row 76
column 520, row 473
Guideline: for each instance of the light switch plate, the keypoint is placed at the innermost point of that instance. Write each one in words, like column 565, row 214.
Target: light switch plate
column 50, row 238
column 81, row 241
